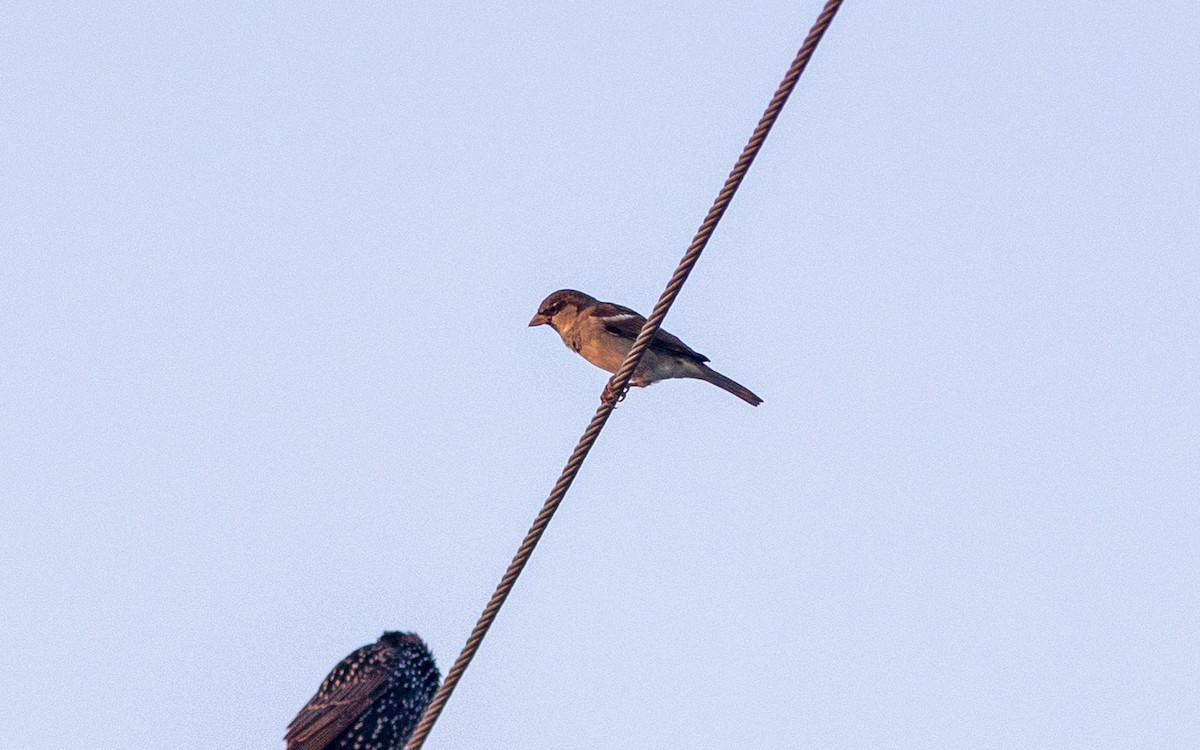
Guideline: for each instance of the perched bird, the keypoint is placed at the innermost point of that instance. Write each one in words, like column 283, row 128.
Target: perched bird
column 372, row 700
column 603, row 333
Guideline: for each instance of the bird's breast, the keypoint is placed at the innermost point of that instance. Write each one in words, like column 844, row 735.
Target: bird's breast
column 601, row 348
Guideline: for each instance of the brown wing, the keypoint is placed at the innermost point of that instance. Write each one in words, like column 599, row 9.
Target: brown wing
column 341, row 699
column 622, row 321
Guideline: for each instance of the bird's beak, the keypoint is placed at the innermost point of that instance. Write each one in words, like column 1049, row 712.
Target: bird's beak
column 539, row 320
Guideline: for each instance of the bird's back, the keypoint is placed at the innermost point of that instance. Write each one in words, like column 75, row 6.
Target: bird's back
column 372, row 700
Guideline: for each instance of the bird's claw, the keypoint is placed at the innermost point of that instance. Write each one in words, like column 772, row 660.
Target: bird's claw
column 611, row 398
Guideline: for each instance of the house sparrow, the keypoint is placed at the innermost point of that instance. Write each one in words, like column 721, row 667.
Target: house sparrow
column 603, row 333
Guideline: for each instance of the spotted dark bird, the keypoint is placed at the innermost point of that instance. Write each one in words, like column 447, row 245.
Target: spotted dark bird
column 372, row 700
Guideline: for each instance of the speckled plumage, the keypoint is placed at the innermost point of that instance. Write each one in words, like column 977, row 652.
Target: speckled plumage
column 372, row 700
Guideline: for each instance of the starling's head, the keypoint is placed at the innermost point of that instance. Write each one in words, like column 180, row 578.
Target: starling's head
column 560, row 309
column 409, row 646
column 396, row 638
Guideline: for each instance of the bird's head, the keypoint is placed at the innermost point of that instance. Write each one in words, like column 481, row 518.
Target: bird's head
column 560, row 309
column 395, row 638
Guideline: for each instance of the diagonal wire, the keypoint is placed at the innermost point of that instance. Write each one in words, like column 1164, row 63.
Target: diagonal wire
column 619, row 383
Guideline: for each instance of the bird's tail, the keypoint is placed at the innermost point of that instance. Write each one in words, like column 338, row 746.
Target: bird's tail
column 734, row 387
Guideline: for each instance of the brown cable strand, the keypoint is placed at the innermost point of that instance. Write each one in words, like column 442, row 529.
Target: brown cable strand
column 619, row 383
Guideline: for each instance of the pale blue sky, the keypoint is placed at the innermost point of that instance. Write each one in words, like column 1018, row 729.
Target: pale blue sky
column 267, row 388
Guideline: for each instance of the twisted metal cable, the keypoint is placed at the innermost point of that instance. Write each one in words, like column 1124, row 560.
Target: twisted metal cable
column 619, row 383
